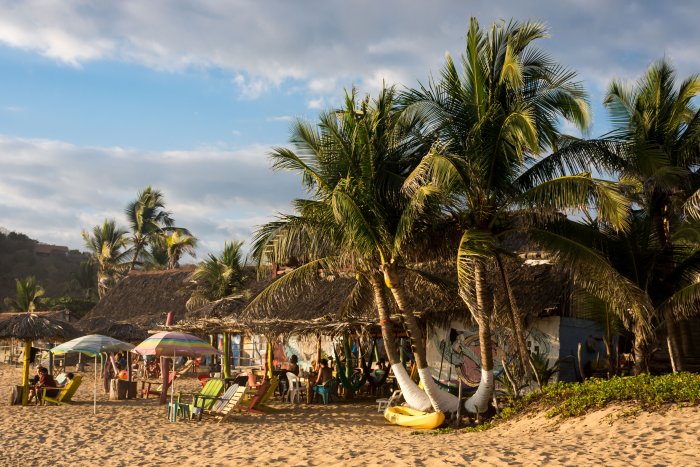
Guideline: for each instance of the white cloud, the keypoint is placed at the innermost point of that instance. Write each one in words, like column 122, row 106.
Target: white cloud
column 52, row 190
column 280, row 118
column 264, row 45
column 318, row 103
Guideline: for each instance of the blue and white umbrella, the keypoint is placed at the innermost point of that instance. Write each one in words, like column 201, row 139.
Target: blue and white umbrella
column 92, row 345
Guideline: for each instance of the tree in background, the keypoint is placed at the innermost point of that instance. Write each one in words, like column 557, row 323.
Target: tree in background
column 147, row 219
column 108, row 246
column 166, row 249
column 660, row 129
column 86, row 278
column 218, row 276
column 28, row 291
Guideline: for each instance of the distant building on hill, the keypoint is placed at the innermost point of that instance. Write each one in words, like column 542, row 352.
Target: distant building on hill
column 44, row 249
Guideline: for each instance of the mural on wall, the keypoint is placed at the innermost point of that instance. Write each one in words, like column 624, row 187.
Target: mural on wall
column 454, row 352
column 304, row 348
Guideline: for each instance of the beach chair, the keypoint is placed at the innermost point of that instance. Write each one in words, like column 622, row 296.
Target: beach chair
column 221, row 404
column 326, row 390
column 155, row 387
column 205, row 399
column 65, row 393
column 383, row 403
column 254, row 399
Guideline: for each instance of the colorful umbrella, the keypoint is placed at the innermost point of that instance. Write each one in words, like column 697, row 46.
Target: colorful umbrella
column 178, row 344
column 175, row 344
column 92, row 345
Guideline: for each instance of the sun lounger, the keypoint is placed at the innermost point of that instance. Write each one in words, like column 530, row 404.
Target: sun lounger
column 382, row 404
column 255, row 398
column 65, row 393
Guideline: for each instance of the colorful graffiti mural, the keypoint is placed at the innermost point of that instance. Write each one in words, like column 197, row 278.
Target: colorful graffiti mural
column 454, row 352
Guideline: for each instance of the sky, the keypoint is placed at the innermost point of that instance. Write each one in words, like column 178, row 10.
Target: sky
column 99, row 99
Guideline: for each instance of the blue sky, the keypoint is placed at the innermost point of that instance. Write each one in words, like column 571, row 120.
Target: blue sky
column 100, row 99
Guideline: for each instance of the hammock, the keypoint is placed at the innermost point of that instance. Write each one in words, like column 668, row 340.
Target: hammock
column 351, row 386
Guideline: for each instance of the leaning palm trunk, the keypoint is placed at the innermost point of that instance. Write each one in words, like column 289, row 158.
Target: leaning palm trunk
column 674, row 349
column 412, row 394
column 516, row 320
column 440, row 400
column 479, row 401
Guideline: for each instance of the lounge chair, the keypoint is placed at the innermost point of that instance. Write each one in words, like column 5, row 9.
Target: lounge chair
column 383, row 404
column 255, row 398
column 205, row 399
column 222, row 405
column 65, row 393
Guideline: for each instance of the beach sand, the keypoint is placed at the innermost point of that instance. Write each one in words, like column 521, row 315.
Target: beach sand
column 136, row 432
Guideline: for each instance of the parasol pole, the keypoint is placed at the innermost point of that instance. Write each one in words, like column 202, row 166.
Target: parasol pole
column 172, row 388
column 25, row 371
column 94, row 395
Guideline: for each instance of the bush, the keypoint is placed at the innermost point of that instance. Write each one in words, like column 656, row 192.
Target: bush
column 574, row 399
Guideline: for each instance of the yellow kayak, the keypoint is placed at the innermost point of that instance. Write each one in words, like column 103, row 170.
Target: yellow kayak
column 406, row 416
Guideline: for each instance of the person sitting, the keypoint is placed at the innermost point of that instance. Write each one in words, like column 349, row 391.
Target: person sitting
column 69, row 378
column 45, row 381
column 324, row 373
column 293, row 366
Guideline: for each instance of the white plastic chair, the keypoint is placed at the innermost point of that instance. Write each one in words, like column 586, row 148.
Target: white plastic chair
column 296, row 389
column 382, row 404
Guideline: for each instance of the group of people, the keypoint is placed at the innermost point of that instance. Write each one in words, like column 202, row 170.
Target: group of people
column 44, row 383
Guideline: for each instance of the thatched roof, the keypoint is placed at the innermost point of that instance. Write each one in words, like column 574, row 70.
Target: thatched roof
column 144, row 298
column 124, row 331
column 30, row 326
column 338, row 301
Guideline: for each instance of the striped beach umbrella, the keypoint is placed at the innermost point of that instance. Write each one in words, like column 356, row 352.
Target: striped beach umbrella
column 175, row 344
column 92, row 345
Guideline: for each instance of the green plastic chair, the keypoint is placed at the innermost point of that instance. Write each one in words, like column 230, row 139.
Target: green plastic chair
column 326, row 390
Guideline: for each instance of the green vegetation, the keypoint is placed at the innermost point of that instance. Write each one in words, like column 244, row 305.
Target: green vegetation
column 27, row 292
column 575, row 399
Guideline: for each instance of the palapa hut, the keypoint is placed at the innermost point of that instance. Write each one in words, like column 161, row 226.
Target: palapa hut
column 144, row 298
column 30, row 327
column 121, row 330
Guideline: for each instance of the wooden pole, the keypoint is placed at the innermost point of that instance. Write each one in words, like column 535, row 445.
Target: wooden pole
column 165, row 366
column 459, row 407
column 225, row 368
column 25, row 371
column 269, row 358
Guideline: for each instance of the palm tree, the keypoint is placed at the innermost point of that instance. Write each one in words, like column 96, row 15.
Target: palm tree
column 218, row 276
column 660, row 127
column 86, row 278
column 492, row 121
column 353, row 164
column 107, row 244
column 147, row 218
column 178, row 243
column 28, row 291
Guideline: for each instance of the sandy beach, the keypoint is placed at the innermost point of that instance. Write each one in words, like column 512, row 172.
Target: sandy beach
column 137, row 432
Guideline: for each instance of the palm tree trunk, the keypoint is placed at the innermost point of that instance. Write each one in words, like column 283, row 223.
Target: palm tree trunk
column 674, row 349
column 640, row 348
column 440, row 400
column 413, row 395
column 479, row 402
column 516, row 319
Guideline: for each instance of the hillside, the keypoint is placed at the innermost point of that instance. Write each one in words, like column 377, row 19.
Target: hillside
column 53, row 266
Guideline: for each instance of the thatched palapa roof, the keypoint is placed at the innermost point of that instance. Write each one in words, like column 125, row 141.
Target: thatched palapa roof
column 121, row 330
column 144, row 298
column 31, row 326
